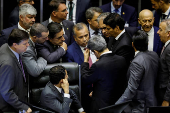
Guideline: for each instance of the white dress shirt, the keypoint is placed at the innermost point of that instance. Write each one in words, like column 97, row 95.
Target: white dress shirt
column 74, row 9
column 21, row 28
column 166, row 13
column 118, row 36
column 92, row 32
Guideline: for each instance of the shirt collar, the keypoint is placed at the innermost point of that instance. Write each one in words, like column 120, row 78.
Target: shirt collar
column 15, row 53
column 167, row 12
column 106, row 53
column 32, row 42
column 50, row 20
column 113, row 8
column 59, row 89
column 166, row 43
column 21, row 28
column 136, row 52
column 149, row 32
column 120, row 34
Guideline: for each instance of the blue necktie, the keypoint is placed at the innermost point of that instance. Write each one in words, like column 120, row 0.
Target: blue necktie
column 116, row 10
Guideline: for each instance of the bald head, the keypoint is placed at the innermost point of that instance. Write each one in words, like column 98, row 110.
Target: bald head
column 146, row 20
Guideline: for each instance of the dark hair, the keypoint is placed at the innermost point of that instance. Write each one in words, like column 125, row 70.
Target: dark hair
column 113, row 20
column 54, row 28
column 17, row 36
column 90, row 12
column 54, row 4
column 166, row 1
column 140, row 40
column 37, row 29
column 57, row 73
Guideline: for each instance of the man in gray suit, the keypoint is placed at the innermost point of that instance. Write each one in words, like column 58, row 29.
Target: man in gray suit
column 38, row 34
column 13, row 82
column 58, row 14
column 57, row 95
column 164, row 73
column 142, row 75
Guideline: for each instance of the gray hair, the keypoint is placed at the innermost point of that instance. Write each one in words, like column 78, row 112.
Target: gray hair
column 37, row 29
column 97, row 43
column 167, row 21
column 90, row 12
column 78, row 27
column 26, row 9
column 103, row 16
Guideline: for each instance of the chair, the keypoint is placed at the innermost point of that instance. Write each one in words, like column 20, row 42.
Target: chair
column 36, row 85
column 158, row 109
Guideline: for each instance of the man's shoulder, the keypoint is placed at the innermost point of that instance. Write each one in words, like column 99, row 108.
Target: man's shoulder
column 68, row 22
column 105, row 5
column 7, row 31
column 45, row 23
column 128, row 7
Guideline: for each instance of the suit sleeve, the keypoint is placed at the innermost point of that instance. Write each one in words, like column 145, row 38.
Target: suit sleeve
column 136, row 73
column 53, row 103
column 7, row 84
column 33, row 66
column 51, row 57
column 167, row 93
column 89, row 76
column 133, row 20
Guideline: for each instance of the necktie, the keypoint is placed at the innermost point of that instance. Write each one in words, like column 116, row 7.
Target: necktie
column 20, row 61
column 162, row 50
column 90, row 60
column 62, row 93
column 71, row 10
column 163, row 16
column 116, row 10
column 96, row 32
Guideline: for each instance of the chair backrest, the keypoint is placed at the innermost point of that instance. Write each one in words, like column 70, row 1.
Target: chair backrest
column 37, row 84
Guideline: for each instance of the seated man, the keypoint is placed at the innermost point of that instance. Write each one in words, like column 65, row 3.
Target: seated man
column 38, row 34
column 57, row 95
column 108, row 74
column 55, row 47
column 76, row 49
column 142, row 75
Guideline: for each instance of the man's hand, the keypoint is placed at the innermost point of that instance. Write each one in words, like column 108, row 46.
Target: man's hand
column 64, row 46
column 86, row 55
column 165, row 103
column 65, row 86
column 29, row 110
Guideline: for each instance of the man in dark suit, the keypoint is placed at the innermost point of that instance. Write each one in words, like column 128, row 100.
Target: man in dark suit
column 162, row 10
column 107, row 75
column 57, row 95
column 146, row 21
column 91, row 16
column 59, row 13
column 34, row 65
column 77, row 12
column 120, row 42
column 27, row 14
column 128, row 13
column 13, row 82
column 14, row 15
column 164, row 73
column 55, row 47
column 142, row 75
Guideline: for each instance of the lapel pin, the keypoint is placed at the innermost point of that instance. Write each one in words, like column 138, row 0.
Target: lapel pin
column 67, row 28
column 123, row 13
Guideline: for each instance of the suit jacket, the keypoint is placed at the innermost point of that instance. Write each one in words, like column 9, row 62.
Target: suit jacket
column 74, row 54
column 142, row 75
column 128, row 13
column 131, row 30
column 13, row 17
column 68, row 28
column 164, row 74
column 49, row 52
column 122, row 47
column 5, row 34
column 157, row 18
column 157, row 44
column 108, row 76
column 12, row 84
column 51, row 98
column 33, row 64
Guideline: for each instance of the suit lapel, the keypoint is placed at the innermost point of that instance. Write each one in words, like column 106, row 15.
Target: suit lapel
column 165, row 49
column 32, row 47
column 156, row 41
column 79, row 51
column 123, row 12
column 55, row 90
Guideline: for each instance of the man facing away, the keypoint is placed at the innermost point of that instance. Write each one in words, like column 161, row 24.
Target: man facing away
column 57, row 95
column 107, row 74
column 13, row 81
column 38, row 34
column 142, row 74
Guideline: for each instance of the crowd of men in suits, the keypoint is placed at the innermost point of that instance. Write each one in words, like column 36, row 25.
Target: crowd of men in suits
column 119, row 60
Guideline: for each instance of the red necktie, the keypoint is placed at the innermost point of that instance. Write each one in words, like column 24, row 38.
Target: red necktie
column 20, row 60
column 90, row 61
column 162, row 49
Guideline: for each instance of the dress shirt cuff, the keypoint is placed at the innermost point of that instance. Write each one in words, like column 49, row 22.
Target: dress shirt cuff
column 67, row 95
column 63, row 48
column 80, row 110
